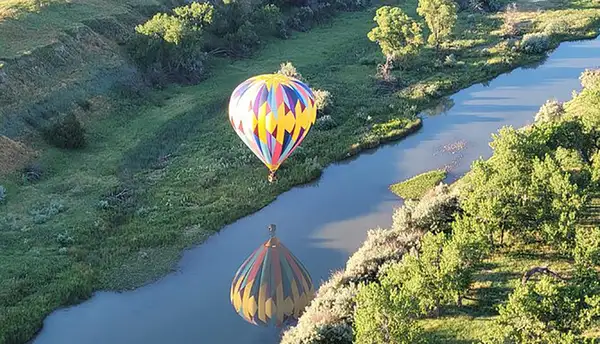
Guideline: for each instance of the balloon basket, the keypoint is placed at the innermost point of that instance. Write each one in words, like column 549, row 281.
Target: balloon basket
column 272, row 178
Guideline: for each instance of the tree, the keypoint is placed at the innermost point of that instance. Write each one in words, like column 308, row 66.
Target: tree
column 549, row 311
column 442, row 271
column 383, row 315
column 397, row 34
column 172, row 44
column 440, row 16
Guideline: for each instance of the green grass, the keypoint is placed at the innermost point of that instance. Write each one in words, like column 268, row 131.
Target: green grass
column 417, row 186
column 161, row 176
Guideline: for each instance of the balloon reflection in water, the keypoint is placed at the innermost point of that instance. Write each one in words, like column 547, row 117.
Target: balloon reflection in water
column 271, row 286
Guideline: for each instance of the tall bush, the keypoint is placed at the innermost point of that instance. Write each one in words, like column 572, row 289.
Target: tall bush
column 66, row 132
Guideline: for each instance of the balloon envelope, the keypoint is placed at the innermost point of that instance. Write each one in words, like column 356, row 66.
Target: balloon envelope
column 271, row 286
column 272, row 114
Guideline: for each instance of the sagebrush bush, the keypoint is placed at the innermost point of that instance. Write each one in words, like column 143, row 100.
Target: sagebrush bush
column 2, row 194
column 590, row 78
column 32, row 173
column 551, row 110
column 381, row 246
column 535, row 43
column 289, row 70
column 557, row 27
column 43, row 213
column 323, row 101
column 66, row 132
column 450, row 60
column 434, row 212
column 511, row 24
column 327, row 318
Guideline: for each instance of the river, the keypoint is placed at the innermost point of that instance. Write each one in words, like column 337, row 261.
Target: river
column 322, row 223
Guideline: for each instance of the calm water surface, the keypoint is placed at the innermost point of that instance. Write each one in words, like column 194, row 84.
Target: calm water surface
column 321, row 223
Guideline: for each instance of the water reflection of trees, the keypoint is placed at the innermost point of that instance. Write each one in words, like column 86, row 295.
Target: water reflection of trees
column 536, row 64
column 441, row 107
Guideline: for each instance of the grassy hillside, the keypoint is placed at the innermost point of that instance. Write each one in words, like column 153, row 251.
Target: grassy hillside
column 56, row 55
column 27, row 25
column 163, row 170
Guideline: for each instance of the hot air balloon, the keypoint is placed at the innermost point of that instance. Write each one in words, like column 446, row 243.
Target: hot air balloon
column 272, row 113
column 271, row 286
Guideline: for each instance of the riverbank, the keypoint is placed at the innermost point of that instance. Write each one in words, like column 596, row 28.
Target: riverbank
column 171, row 177
column 474, row 274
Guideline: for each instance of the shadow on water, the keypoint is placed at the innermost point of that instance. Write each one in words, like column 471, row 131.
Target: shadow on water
column 321, row 223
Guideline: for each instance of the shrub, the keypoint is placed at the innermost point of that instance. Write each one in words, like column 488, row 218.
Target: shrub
column 289, row 70
column 32, row 172
column 450, row 60
column 42, row 214
column 381, row 246
column 241, row 42
column 326, row 319
column 66, row 132
column 301, row 19
column 269, row 20
column 434, row 212
column 535, row 43
column 2, row 194
column 552, row 110
column 511, row 23
column 557, row 27
column 325, row 123
column 351, row 5
column 323, row 101
column 590, row 78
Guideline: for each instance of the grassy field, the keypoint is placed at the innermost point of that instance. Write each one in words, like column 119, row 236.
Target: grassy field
column 417, row 186
column 165, row 170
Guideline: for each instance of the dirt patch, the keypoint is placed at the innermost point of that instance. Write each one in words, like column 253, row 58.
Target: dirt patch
column 13, row 155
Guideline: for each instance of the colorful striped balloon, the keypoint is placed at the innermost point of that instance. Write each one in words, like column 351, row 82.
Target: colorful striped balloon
column 272, row 114
column 271, row 286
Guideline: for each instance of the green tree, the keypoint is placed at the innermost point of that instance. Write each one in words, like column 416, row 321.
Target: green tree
column 549, row 311
column 397, row 34
column 587, row 247
column 440, row 16
column 172, row 44
column 442, row 271
column 383, row 315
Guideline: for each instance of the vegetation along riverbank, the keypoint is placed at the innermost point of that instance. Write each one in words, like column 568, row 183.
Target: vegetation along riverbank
column 132, row 156
column 510, row 253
